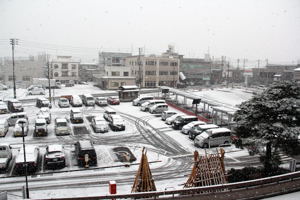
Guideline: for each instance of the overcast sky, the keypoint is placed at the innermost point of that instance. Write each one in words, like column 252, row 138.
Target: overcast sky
column 252, row 29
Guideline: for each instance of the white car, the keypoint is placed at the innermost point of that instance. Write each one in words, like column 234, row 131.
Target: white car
column 99, row 125
column 45, row 114
column 3, row 87
column 3, row 127
column 36, row 91
column 185, row 129
column 63, row 102
column 62, row 127
column 18, row 127
column 3, row 108
column 171, row 119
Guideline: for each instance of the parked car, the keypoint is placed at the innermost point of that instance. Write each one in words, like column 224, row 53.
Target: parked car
column 32, row 160
column 54, row 157
column 45, row 113
column 171, row 119
column 62, row 127
column 5, row 156
column 15, row 105
column 146, row 106
column 197, row 130
column 213, row 137
column 99, row 125
column 107, row 113
column 76, row 101
column 63, row 102
column 3, row 127
column 158, row 108
column 185, row 129
column 43, row 102
column 40, row 127
column 166, row 114
column 101, row 101
column 140, row 100
column 3, row 87
column 3, row 108
column 15, row 116
column 116, row 123
column 18, row 127
column 36, row 91
column 85, row 153
column 113, row 100
column 88, row 100
column 179, row 122
column 76, row 115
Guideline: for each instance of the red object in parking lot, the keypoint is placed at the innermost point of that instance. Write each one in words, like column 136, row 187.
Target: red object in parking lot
column 112, row 187
column 113, row 101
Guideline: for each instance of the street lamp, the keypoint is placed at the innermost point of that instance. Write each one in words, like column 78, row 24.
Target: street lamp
column 196, row 101
column 26, row 166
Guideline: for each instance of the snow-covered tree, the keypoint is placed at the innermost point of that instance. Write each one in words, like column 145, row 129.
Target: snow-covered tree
column 272, row 116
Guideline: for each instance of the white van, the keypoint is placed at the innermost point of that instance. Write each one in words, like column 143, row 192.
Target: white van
column 88, row 100
column 63, row 102
column 15, row 116
column 140, row 100
column 158, row 108
column 76, row 101
column 213, row 137
column 145, row 106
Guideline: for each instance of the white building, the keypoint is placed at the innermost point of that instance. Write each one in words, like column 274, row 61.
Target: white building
column 65, row 69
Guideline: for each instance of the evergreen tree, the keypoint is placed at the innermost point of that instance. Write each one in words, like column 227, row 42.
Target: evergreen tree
column 272, row 116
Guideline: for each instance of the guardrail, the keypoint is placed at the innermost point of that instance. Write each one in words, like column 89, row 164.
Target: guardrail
column 253, row 189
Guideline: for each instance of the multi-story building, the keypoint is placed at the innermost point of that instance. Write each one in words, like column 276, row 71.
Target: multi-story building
column 25, row 70
column 87, row 70
column 114, row 71
column 153, row 71
column 297, row 74
column 64, row 69
column 272, row 73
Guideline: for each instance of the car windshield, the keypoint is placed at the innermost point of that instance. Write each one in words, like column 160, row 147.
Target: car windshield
column 40, row 124
column 90, row 98
column 63, row 100
column 60, row 124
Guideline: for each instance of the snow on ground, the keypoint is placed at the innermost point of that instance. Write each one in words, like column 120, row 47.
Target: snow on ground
column 228, row 97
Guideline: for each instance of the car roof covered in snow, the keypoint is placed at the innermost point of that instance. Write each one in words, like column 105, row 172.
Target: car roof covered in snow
column 55, row 147
column 58, row 120
column 40, row 120
column 85, row 144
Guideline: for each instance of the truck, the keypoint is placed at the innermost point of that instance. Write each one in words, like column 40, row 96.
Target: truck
column 44, row 82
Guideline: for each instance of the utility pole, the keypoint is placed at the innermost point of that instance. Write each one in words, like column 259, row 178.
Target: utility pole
column 49, row 84
column 13, row 42
column 258, row 62
column 140, row 71
column 227, row 75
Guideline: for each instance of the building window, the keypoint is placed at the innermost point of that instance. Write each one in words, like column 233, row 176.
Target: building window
column 173, row 64
column 64, row 74
column 125, row 73
column 26, row 78
column 116, row 61
column 64, row 66
column 74, row 74
column 56, row 74
column 73, row 66
column 163, row 73
column 164, row 63
column 173, row 72
column 56, row 66
column 114, row 84
column 150, row 84
column 151, row 62
column 10, row 78
column 115, row 73
column 150, row 72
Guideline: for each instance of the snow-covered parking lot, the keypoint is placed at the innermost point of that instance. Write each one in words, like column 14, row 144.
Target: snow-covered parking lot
column 169, row 151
